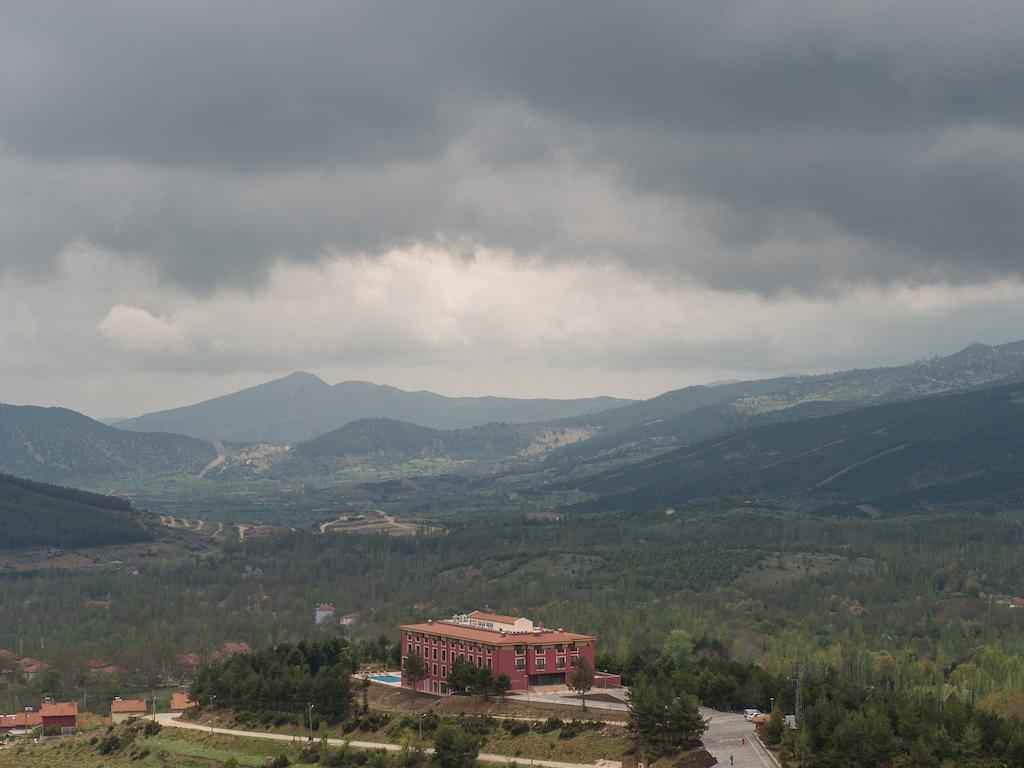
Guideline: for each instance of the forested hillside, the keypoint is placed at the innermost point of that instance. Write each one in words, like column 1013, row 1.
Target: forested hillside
column 55, row 444
column 689, row 415
column 301, row 406
column 946, row 449
column 399, row 441
column 37, row 514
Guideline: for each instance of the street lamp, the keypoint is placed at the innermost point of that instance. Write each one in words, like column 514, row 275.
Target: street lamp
column 213, row 696
column 311, row 706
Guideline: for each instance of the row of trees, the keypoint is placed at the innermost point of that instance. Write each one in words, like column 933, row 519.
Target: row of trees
column 307, row 677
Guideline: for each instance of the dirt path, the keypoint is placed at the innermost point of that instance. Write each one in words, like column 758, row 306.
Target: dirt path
column 171, row 719
column 844, row 470
column 221, row 455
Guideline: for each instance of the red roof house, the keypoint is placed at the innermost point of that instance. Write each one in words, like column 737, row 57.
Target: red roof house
column 125, row 709
column 20, row 722
column 180, row 701
column 59, row 718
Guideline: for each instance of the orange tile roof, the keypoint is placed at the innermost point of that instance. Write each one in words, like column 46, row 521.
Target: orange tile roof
column 21, row 720
column 180, row 700
column 497, row 617
column 493, row 636
column 127, row 705
column 59, row 709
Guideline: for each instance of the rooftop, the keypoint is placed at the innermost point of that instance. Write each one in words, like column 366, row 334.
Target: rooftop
column 495, row 636
column 127, row 705
column 59, row 709
column 21, row 720
column 497, row 618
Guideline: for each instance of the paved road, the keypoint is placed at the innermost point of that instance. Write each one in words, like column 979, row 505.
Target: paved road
column 731, row 735
column 171, row 719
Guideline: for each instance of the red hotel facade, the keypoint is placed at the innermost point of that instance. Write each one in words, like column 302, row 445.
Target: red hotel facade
column 530, row 655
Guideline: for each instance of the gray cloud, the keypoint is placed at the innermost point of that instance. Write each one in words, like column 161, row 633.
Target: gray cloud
column 765, row 146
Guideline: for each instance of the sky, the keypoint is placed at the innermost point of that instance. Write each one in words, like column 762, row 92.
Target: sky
column 553, row 199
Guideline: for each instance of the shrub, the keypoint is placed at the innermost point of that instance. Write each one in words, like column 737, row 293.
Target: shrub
column 151, row 728
column 551, row 724
column 518, row 727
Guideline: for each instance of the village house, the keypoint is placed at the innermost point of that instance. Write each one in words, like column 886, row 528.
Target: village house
column 29, row 667
column 59, row 718
column 125, row 709
column 180, row 701
column 21, row 723
column 531, row 655
column 231, row 649
column 350, row 619
column 322, row 613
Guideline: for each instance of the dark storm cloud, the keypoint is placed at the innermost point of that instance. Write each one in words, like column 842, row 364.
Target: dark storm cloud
column 210, row 139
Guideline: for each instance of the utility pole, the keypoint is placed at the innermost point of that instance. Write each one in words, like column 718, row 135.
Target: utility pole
column 311, row 721
column 213, row 697
column 799, row 695
column 154, row 706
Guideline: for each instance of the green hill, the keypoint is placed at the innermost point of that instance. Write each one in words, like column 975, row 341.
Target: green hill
column 692, row 414
column 396, row 441
column 301, row 406
column 41, row 515
column 55, row 444
column 947, row 449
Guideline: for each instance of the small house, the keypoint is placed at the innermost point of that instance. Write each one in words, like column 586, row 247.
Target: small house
column 180, row 701
column 59, row 718
column 350, row 619
column 322, row 613
column 125, row 709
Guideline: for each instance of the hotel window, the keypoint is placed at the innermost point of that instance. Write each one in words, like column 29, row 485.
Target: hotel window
column 490, row 665
column 520, row 650
column 541, row 662
column 520, row 663
column 560, row 662
column 539, row 649
column 435, row 670
column 435, row 653
column 444, row 655
column 574, row 659
column 559, row 648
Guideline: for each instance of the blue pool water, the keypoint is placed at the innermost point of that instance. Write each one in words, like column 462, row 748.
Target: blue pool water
column 386, row 678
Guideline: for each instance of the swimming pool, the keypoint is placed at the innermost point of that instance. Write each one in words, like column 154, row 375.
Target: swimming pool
column 390, row 679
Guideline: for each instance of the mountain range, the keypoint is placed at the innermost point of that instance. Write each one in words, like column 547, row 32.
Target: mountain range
column 942, row 449
column 301, row 406
column 689, row 415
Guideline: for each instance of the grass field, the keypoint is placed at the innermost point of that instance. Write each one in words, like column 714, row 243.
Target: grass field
column 170, row 747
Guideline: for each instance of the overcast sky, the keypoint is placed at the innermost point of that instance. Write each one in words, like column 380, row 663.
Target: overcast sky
column 551, row 198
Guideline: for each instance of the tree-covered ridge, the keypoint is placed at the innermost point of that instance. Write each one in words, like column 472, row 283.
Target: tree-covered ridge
column 42, row 515
column 946, row 449
column 58, row 445
column 285, row 678
column 689, row 415
column 400, row 441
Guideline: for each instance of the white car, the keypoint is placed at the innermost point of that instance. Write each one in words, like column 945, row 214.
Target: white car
column 750, row 714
